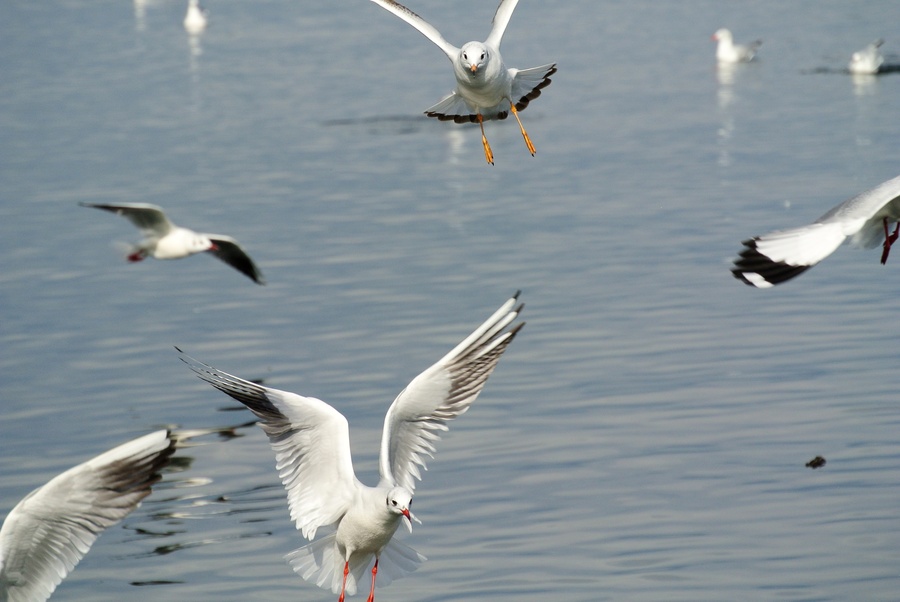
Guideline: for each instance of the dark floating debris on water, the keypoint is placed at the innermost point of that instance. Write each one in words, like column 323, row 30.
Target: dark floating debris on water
column 816, row 462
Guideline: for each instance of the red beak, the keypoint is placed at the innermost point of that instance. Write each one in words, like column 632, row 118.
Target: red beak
column 406, row 514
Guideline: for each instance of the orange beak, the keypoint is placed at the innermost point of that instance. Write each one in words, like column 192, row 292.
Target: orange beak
column 474, row 68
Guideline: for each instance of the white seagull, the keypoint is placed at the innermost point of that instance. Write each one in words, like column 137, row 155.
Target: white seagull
column 774, row 258
column 868, row 60
column 311, row 441
column 729, row 52
column 196, row 18
column 48, row 532
column 165, row 240
column 485, row 88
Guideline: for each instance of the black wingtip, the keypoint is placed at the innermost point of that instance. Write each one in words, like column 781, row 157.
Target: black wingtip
column 752, row 261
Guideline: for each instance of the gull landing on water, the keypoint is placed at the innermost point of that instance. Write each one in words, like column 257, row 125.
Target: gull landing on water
column 485, row 88
column 729, row 52
column 311, row 441
column 774, row 258
column 48, row 532
column 165, row 240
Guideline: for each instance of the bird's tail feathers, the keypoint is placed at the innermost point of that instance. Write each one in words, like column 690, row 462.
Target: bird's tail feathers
column 320, row 563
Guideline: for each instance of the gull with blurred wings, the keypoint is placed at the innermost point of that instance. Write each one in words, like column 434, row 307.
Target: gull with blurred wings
column 165, row 240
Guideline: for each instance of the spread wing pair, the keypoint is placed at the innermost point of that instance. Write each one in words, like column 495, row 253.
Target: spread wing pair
column 311, row 442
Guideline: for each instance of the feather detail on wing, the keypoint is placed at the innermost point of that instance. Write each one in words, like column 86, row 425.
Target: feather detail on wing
column 228, row 250
column 440, row 394
column 453, row 107
column 424, row 27
column 500, row 21
column 48, row 532
column 311, row 441
column 150, row 219
column 774, row 258
column 528, row 83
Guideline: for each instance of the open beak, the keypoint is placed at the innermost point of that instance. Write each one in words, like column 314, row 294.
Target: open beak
column 474, row 68
column 410, row 517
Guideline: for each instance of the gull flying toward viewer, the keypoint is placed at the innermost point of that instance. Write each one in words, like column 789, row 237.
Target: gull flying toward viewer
column 771, row 259
column 485, row 88
column 48, row 532
column 729, row 52
column 311, row 441
column 165, row 240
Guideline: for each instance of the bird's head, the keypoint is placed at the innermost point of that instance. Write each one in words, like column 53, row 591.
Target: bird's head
column 398, row 501
column 474, row 56
column 722, row 35
column 201, row 243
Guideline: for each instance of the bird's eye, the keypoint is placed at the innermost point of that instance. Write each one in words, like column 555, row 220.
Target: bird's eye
column 482, row 56
column 393, row 502
column 465, row 56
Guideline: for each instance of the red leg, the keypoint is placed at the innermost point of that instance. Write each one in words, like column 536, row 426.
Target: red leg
column 889, row 239
column 371, row 597
column 344, row 584
column 136, row 256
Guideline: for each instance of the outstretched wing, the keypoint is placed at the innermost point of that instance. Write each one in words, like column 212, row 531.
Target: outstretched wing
column 311, row 441
column 779, row 256
column 440, row 394
column 501, row 20
column 48, row 532
column 228, row 250
column 148, row 218
column 424, row 27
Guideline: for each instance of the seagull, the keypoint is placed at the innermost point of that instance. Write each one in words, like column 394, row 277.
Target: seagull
column 729, row 52
column 48, row 532
column 774, row 258
column 868, row 60
column 311, row 441
column 485, row 88
column 196, row 18
column 165, row 240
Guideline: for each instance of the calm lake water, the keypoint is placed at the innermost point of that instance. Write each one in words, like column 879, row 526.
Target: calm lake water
column 645, row 436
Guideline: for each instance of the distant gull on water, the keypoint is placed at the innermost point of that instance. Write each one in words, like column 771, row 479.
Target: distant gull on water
column 729, row 52
column 196, row 18
column 868, row 60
